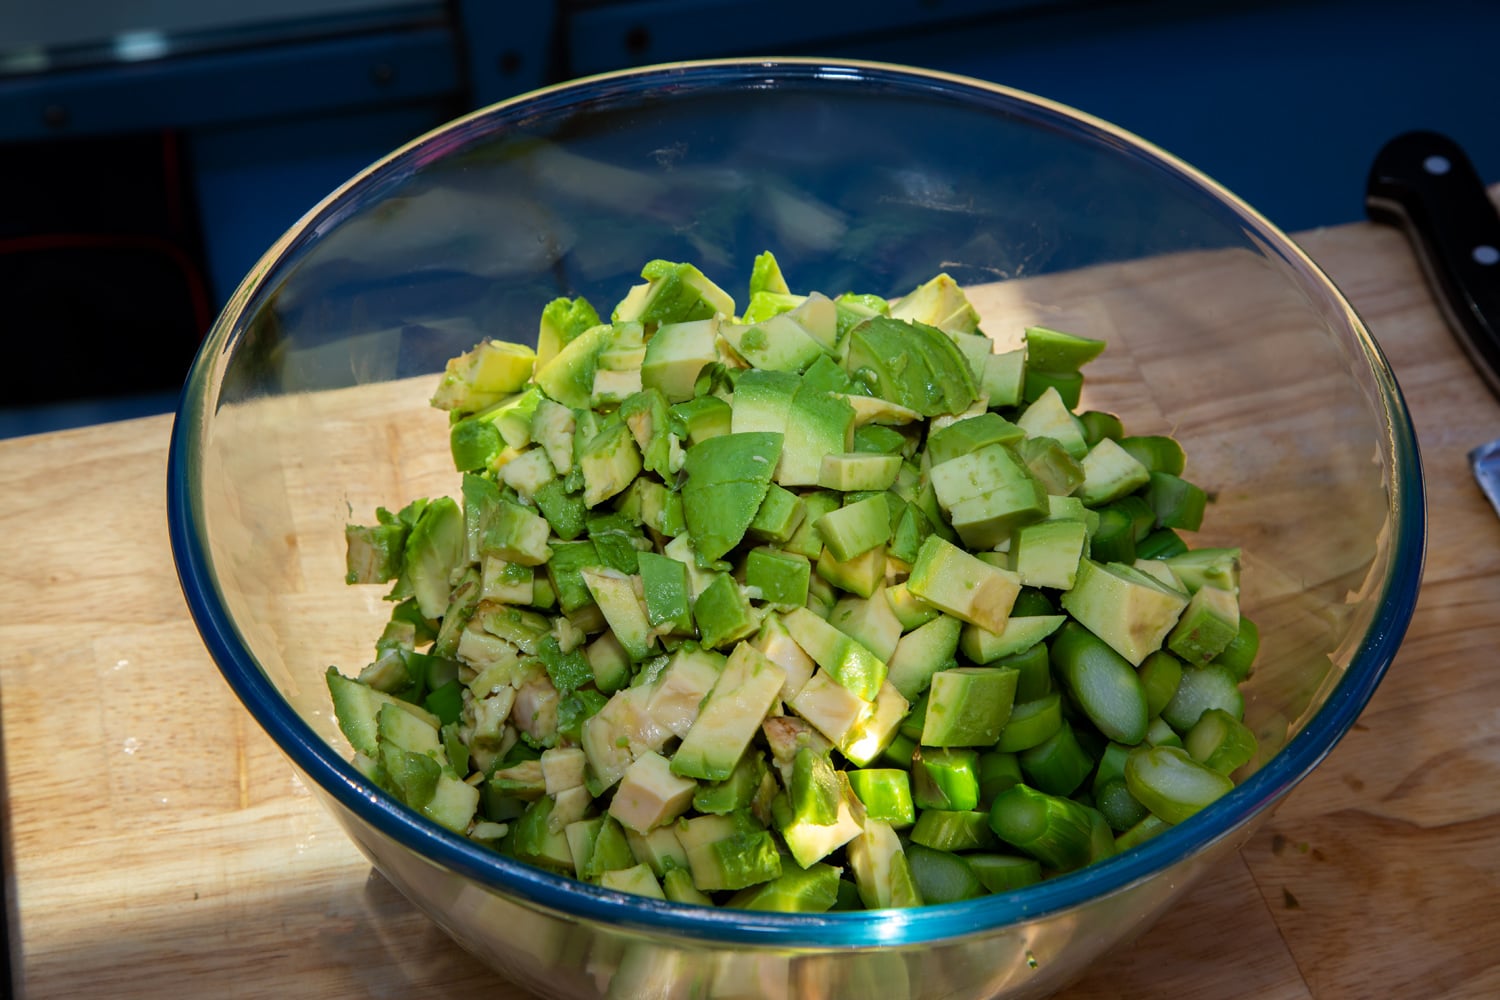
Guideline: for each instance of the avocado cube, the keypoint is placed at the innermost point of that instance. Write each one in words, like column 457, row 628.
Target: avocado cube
column 1109, row 472
column 1021, row 632
column 775, row 343
column 730, row 716
column 781, row 578
column 1002, row 377
column 702, row 418
column 876, row 728
column 1058, row 472
column 1131, row 611
column 807, row 540
column 850, row 471
column 778, row 516
column 565, row 570
column 681, row 687
column 813, row 889
column 649, row 795
column 735, row 792
column 881, row 870
column 664, row 584
column 870, row 621
column 723, row 614
column 1047, row 553
column 1208, row 624
column 855, row 528
column 964, row 437
column 886, row 794
column 968, row 706
column 845, row 659
column 817, row 423
column 922, row 652
column 637, row 880
column 964, row 586
column 1208, row 567
column 517, row 534
column 610, row 462
column 619, row 598
column 910, row 610
column 728, row 852
column 781, row 649
column 676, row 354
column 762, row 402
column 727, row 480
column 861, row 575
column 832, row 709
column 810, row 840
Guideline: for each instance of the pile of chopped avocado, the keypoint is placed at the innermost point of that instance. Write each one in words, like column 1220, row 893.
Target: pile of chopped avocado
column 820, row 605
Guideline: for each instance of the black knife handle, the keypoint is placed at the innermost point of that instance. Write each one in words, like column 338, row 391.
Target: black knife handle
column 1424, row 183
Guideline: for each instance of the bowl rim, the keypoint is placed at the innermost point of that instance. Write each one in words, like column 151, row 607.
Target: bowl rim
column 320, row 762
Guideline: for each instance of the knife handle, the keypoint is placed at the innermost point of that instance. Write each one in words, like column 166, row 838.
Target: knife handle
column 1424, row 183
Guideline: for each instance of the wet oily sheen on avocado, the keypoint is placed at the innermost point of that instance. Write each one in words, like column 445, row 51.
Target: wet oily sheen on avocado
column 815, row 605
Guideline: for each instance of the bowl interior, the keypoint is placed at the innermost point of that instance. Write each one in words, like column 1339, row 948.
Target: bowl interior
column 308, row 407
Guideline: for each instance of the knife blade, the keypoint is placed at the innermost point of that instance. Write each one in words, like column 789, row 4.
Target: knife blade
column 1424, row 183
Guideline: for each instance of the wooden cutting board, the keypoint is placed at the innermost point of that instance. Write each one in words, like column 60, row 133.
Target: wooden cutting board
column 163, row 847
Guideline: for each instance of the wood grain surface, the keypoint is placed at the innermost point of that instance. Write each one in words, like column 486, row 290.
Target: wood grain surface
column 163, row 847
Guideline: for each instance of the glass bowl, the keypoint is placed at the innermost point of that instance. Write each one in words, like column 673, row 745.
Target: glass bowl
column 307, row 408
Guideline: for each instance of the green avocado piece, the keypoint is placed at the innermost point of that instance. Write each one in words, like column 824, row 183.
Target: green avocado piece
column 844, row 658
column 938, row 302
column 817, row 423
column 726, row 480
column 963, row 585
column 664, row 583
column 645, row 413
column 968, row 706
column 563, row 319
column 676, row 354
column 1050, row 350
column 568, row 378
column 434, row 548
column 730, row 716
column 1128, row 609
column 913, row 365
column 610, row 461
column 673, row 293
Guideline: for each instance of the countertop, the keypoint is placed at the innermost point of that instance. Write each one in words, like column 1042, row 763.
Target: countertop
column 163, row 847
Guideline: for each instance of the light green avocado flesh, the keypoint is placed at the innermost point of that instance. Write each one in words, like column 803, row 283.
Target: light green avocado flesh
column 823, row 605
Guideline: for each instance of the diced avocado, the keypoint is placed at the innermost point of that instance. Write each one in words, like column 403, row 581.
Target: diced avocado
column 357, row 708
column 1208, row 624
column 779, row 578
column 813, row 889
column 1058, row 472
column 1054, row 351
column 808, row 838
column 568, row 378
column 1050, row 417
column 922, row 652
column 911, row 364
column 664, row 585
column 727, row 852
column 507, row 582
column 781, row 649
column 966, row 587
column 765, row 275
column 870, row 621
column 832, row 709
column 673, row 293
column 1208, row 567
column 620, row 601
column 373, row 554
column 1047, row 553
column 876, row 728
column 1021, row 632
column 968, row 706
column 517, row 534
column 562, row 320
column 681, row 549
column 1067, row 385
column 1200, row 690
column 433, row 548
column 988, row 493
column 762, row 402
column 778, row 517
column 776, row 343
column 1176, row 502
column 910, row 610
column 861, row 575
column 616, row 734
column 675, row 356
column 1109, row 472
column 658, row 849
column 703, row 417
column 886, row 794
column 680, row 689
column 736, row 792
column 938, row 302
column 726, row 480
column 816, row 423
column 852, row 471
column 645, row 413
column 874, row 410
column 723, row 614
column 807, row 540
column 610, row 461
column 957, row 830
column 650, row 795
column 730, row 716
column 532, row 840
column 966, row 436
column 855, row 528
column 637, row 880
column 612, row 385
column 1129, row 610
column 565, row 570
column 880, row 440
column 881, row 870
column 1002, row 376
column 845, row 659
column 1157, row 452
column 477, row 378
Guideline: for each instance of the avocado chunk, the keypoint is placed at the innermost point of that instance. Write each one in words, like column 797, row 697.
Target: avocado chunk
column 809, row 833
column 911, row 364
column 728, row 852
column 619, row 599
column 673, row 293
column 676, row 355
column 726, row 480
column 649, row 795
column 730, row 716
column 476, row 379
column 846, row 660
column 817, row 423
column 938, row 302
column 881, row 870
column 433, row 548
column 1128, row 609
column 679, row 691
column 1109, row 472
column 1208, row 624
column 562, row 320
column 968, row 706
column 813, row 889
column 963, row 585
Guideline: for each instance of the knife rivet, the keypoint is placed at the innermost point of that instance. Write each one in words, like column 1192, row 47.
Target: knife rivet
column 1437, row 165
column 1486, row 254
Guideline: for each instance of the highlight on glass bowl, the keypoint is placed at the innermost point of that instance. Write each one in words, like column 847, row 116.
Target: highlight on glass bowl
column 793, row 527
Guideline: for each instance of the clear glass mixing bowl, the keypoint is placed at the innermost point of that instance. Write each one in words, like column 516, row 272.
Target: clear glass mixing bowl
column 307, row 408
